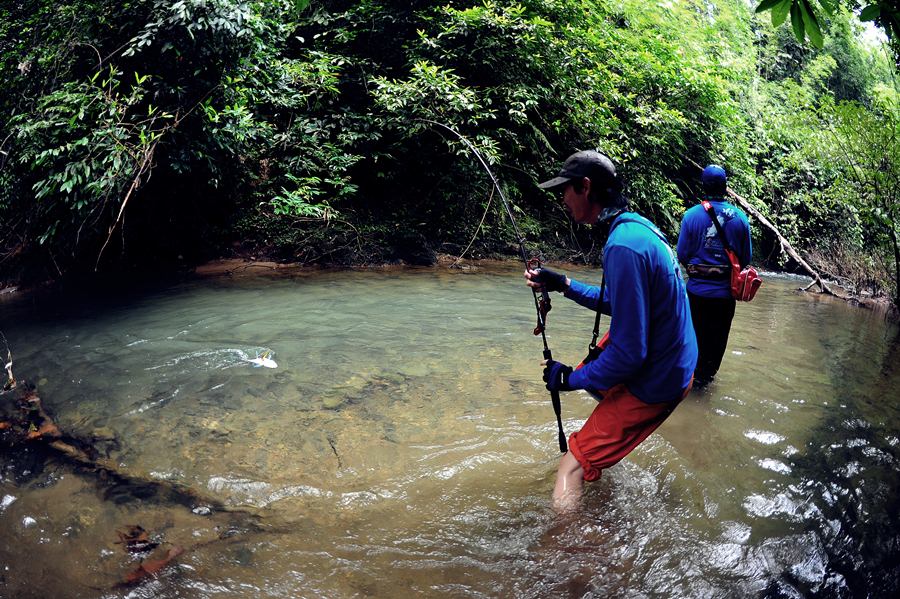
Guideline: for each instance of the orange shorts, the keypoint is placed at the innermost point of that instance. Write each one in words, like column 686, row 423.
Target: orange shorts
column 618, row 424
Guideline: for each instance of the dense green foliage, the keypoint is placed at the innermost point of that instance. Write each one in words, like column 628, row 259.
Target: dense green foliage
column 144, row 131
column 807, row 17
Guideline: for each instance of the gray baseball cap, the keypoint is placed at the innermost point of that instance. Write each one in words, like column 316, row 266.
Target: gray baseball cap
column 595, row 166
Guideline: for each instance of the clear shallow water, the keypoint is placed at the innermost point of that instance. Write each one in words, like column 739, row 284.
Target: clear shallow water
column 404, row 446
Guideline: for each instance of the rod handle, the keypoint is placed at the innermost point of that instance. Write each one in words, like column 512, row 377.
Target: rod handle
column 557, row 409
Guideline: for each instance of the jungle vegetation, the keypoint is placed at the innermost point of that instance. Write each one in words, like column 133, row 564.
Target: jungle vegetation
column 148, row 133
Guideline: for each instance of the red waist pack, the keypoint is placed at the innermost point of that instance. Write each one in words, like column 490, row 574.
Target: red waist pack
column 594, row 351
column 744, row 283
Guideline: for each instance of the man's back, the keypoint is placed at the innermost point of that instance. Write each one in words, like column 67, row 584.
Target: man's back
column 652, row 345
column 700, row 243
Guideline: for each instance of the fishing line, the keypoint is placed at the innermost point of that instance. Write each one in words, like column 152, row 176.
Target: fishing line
column 542, row 305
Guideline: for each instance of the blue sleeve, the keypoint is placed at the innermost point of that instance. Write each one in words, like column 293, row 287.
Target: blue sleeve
column 587, row 296
column 686, row 244
column 628, row 284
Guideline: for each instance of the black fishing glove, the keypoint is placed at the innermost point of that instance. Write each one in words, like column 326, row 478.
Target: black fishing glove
column 551, row 280
column 556, row 375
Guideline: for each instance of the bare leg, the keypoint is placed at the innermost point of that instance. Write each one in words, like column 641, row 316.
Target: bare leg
column 569, row 482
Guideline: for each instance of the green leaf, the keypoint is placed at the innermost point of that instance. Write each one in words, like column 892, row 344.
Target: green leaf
column 780, row 12
column 767, row 4
column 812, row 24
column 870, row 13
column 797, row 22
column 828, row 6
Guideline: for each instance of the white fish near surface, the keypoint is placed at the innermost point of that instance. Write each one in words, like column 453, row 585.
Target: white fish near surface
column 264, row 360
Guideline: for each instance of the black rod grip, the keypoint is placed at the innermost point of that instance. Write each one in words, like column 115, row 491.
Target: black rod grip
column 557, row 409
column 554, row 397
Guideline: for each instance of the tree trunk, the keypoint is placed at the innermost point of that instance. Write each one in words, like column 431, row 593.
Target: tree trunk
column 896, row 265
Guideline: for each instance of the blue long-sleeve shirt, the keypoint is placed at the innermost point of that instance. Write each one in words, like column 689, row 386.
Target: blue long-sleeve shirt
column 699, row 243
column 652, row 347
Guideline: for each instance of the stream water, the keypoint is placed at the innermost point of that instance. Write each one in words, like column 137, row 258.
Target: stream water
column 405, row 446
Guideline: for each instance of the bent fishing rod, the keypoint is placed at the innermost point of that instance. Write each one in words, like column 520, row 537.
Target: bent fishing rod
column 542, row 304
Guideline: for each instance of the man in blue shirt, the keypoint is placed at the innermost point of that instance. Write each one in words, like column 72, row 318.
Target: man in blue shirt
column 701, row 250
column 646, row 366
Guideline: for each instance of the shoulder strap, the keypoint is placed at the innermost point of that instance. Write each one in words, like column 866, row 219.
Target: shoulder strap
column 711, row 212
column 596, row 333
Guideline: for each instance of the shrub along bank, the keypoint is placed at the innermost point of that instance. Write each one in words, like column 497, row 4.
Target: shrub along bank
column 144, row 131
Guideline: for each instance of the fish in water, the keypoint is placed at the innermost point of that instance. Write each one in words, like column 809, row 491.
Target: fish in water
column 264, row 360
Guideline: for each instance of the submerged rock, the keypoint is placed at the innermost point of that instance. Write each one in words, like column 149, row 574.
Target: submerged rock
column 348, row 392
column 331, row 402
column 7, row 501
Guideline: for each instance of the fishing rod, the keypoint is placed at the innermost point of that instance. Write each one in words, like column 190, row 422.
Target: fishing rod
column 541, row 305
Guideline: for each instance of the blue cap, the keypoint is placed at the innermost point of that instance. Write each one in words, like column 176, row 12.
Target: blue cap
column 714, row 179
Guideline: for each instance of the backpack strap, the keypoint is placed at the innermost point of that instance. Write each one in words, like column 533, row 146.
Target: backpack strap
column 711, row 212
column 596, row 332
column 732, row 256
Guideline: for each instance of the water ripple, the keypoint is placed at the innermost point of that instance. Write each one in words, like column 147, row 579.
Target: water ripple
column 259, row 493
column 774, row 465
column 764, row 437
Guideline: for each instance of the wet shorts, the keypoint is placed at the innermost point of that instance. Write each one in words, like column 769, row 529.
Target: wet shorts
column 618, row 424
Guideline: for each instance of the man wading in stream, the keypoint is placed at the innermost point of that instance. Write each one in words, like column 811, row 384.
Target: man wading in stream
column 646, row 365
column 702, row 252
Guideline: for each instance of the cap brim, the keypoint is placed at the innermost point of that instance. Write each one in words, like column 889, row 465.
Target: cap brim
column 554, row 183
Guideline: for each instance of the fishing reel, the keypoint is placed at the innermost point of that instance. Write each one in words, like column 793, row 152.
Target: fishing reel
column 543, row 302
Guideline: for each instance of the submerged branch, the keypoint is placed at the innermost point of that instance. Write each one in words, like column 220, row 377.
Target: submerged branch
column 25, row 423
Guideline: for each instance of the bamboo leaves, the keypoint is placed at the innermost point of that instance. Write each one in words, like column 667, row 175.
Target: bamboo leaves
column 870, row 13
column 810, row 22
column 780, row 12
column 779, row 8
